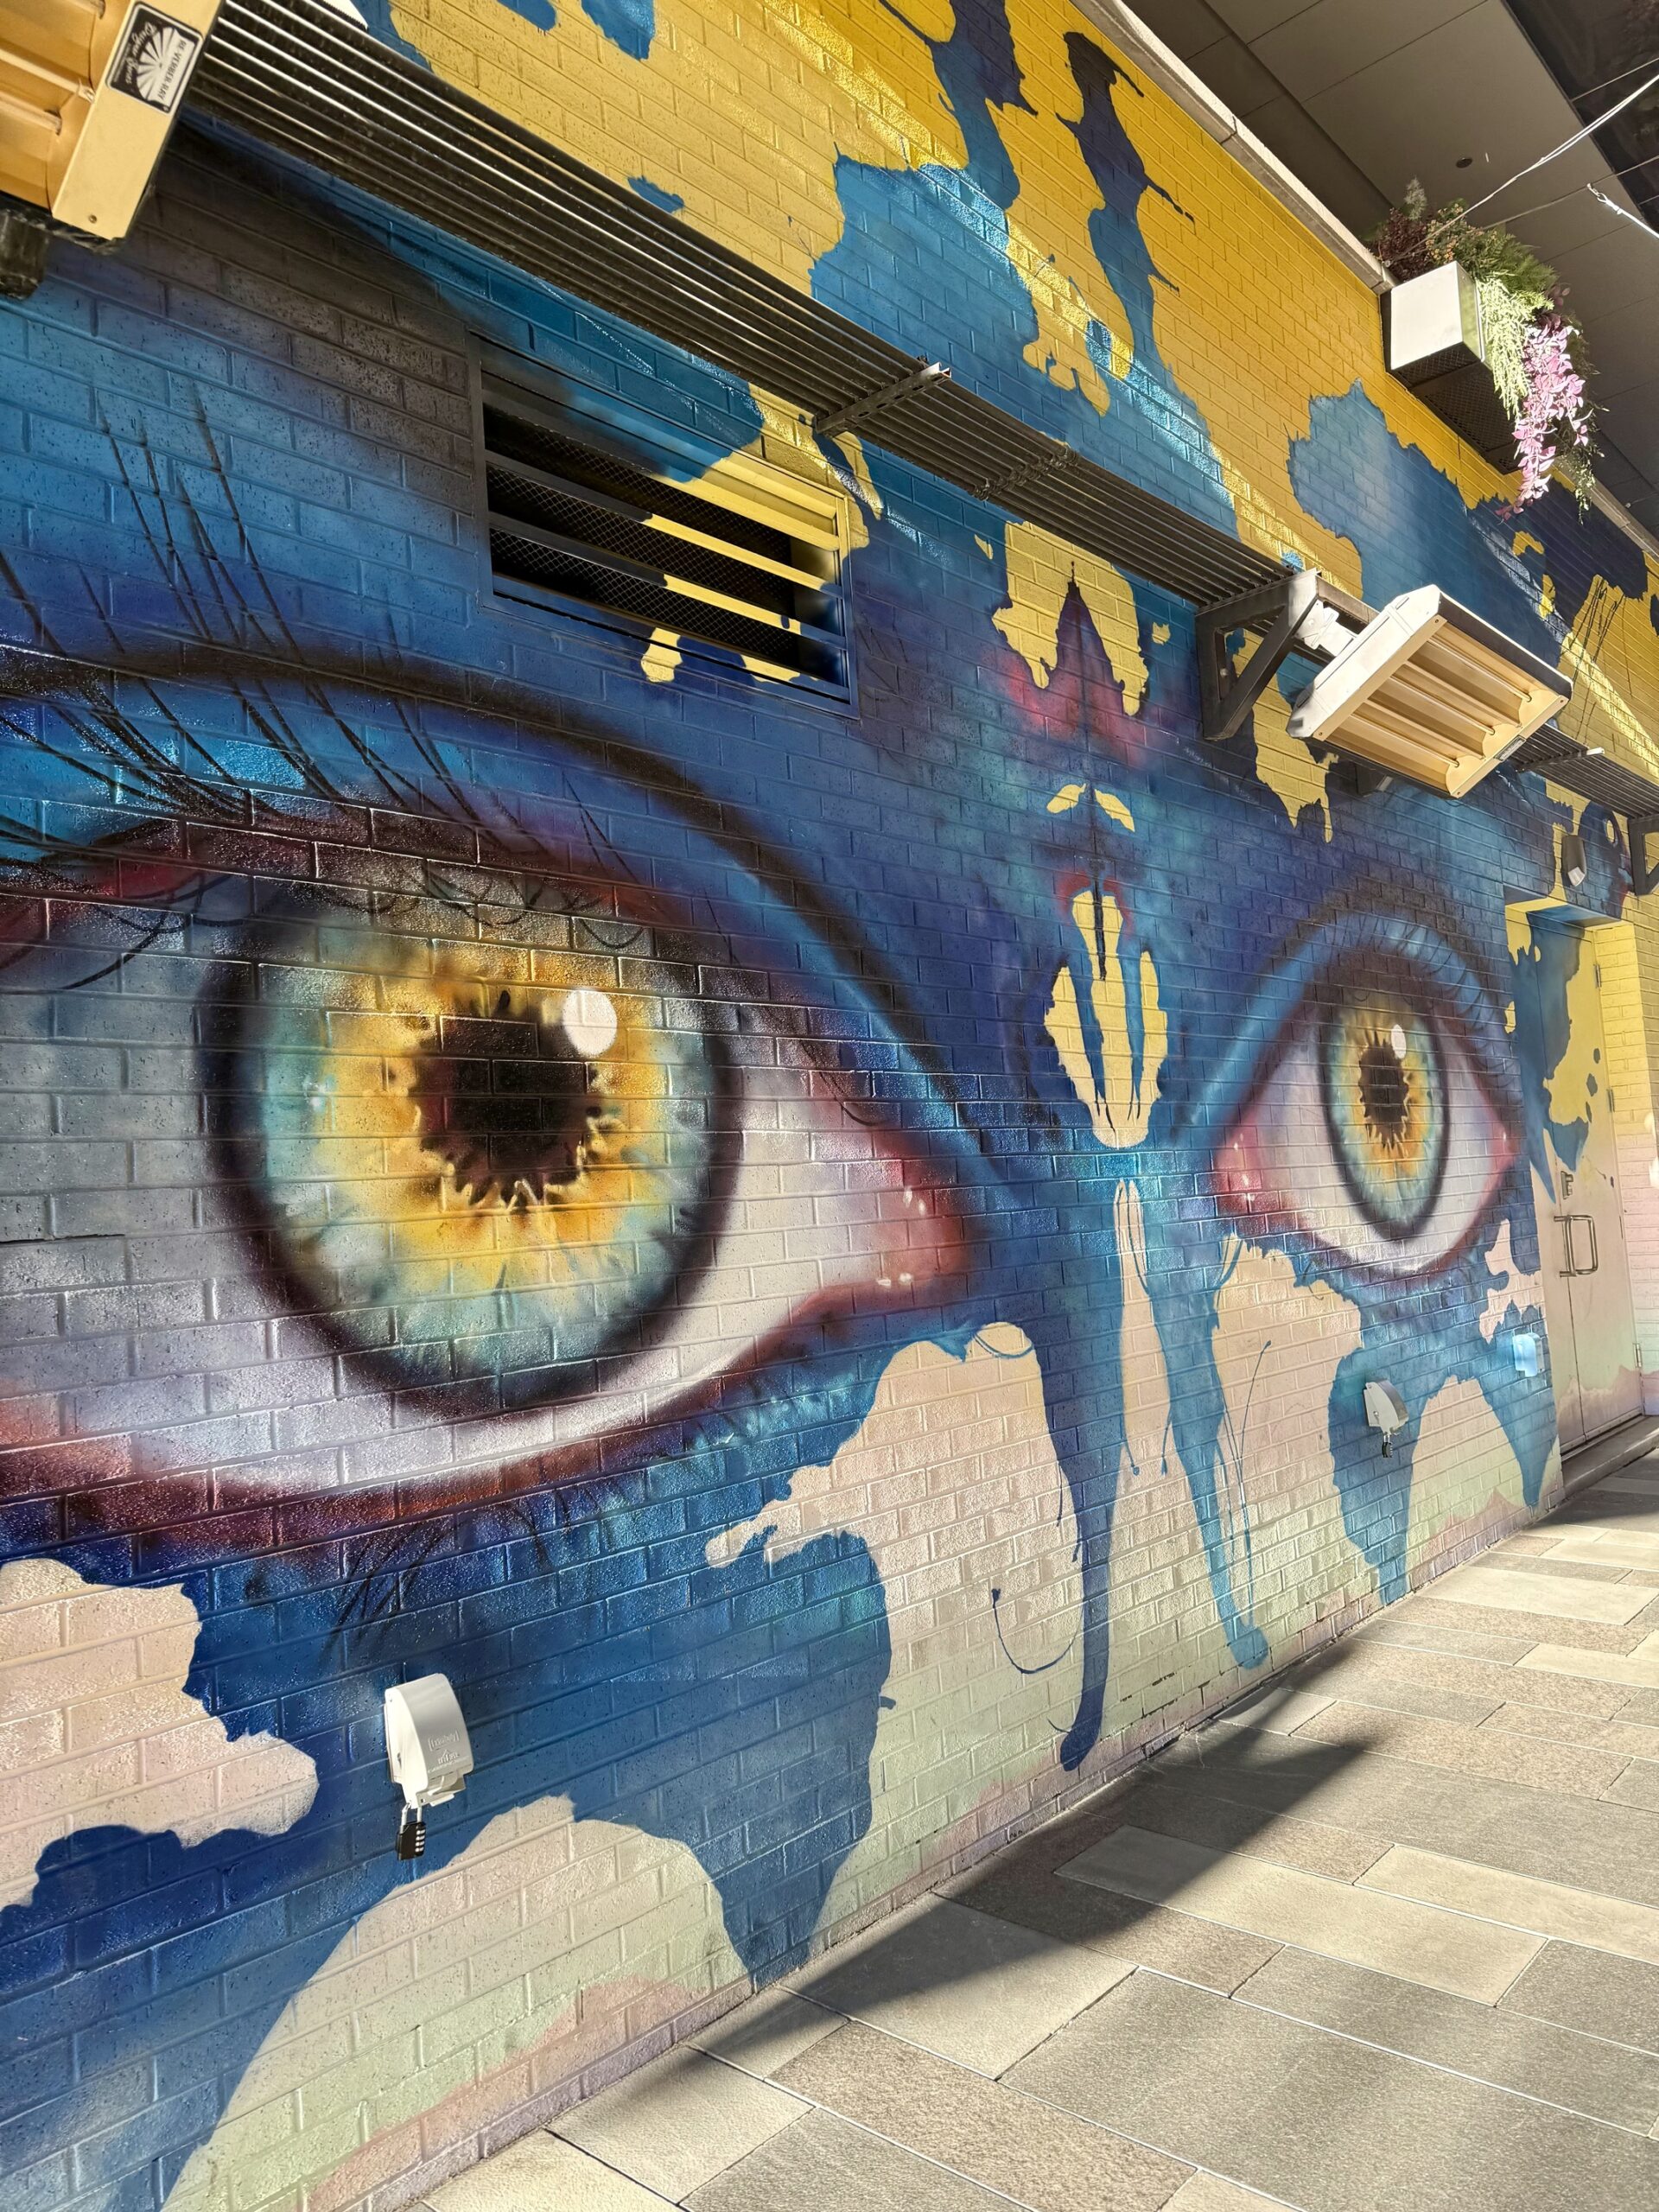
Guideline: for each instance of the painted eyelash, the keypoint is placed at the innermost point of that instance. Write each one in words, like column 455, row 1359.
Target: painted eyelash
column 158, row 780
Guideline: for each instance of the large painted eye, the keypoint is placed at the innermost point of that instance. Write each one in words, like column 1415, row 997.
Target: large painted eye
column 531, row 1160
column 522, row 1172
column 1371, row 1133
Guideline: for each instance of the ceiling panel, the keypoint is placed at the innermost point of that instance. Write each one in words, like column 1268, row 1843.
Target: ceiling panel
column 1392, row 90
column 1322, row 45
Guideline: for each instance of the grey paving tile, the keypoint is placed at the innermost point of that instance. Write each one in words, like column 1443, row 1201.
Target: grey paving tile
column 1511, row 1589
column 1607, row 1548
column 1589, row 1845
column 1402, row 1627
column 1632, row 1482
column 1586, row 1990
column 1473, row 1681
column 1583, row 1568
column 1637, row 1785
column 965, row 1984
column 767, row 2032
column 1275, row 1706
column 1532, row 1763
column 1635, row 1670
column 1426, row 1682
column 1124, row 1929
column 678, row 2120
column 540, row 2173
column 1631, row 1737
column 1445, row 1950
column 822, row 2164
column 1589, row 1635
column 1620, row 1510
column 1592, row 1918
column 1209, row 2193
column 1509, row 2050
column 1046, row 2159
column 1326, row 2123
column 1197, row 1817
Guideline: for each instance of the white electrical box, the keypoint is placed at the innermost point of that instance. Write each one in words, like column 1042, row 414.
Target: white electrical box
column 428, row 1748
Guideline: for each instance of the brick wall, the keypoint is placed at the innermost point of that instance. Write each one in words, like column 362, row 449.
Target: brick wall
column 916, row 1362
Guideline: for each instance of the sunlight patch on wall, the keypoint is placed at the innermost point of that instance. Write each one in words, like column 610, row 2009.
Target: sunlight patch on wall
column 1278, row 1343
column 1466, row 1482
column 983, row 1609
column 747, row 125
column 548, row 1943
column 1511, row 1291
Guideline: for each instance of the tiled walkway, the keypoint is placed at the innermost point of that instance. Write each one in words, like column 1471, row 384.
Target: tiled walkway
column 1387, row 1941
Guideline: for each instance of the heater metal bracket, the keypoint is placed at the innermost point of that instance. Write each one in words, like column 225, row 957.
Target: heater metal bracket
column 1644, row 852
column 1298, row 613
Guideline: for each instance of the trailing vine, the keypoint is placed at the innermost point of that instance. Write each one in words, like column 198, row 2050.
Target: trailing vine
column 1533, row 344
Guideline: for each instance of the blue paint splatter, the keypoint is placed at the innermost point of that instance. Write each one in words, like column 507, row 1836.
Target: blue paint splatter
column 629, row 24
column 670, row 202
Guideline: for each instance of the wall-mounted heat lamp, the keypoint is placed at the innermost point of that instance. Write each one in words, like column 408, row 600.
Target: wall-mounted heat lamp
column 1425, row 689
column 1429, row 691
column 89, row 90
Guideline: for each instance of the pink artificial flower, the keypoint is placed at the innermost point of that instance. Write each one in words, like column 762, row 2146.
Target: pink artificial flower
column 1555, row 415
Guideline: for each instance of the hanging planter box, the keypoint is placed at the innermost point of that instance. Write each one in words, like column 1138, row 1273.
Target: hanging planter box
column 1433, row 342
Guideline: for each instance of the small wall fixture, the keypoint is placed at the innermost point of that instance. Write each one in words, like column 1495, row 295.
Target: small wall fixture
column 88, row 94
column 1385, row 1411
column 428, row 1750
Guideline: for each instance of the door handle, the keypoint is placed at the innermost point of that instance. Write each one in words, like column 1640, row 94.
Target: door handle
column 1595, row 1249
column 1570, row 1265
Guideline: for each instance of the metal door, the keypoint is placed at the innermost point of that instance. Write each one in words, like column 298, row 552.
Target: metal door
column 1586, row 1277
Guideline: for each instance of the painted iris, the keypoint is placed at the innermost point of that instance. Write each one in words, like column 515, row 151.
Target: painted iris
column 516, row 1168
column 1382, row 1084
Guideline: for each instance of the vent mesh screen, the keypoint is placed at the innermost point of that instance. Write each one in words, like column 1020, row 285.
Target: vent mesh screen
column 735, row 557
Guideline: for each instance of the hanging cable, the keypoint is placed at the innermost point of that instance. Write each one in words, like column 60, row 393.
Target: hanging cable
column 1596, row 193
column 1540, row 207
column 1567, row 144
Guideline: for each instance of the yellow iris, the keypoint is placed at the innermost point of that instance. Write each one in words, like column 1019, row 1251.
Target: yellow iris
column 1384, row 1095
column 515, row 1167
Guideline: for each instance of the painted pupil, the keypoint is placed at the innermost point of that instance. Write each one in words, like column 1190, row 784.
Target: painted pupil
column 1383, row 1090
column 510, row 1106
column 1385, row 1094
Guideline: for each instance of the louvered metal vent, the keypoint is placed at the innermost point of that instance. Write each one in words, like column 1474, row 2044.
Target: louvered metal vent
column 627, row 518
column 306, row 79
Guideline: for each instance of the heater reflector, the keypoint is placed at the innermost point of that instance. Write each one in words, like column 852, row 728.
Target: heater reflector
column 88, row 93
column 1429, row 690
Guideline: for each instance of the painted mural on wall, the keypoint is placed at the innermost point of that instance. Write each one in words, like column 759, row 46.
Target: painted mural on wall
column 821, row 1264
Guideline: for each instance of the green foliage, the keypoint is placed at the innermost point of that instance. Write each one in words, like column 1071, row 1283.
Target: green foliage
column 1518, row 293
